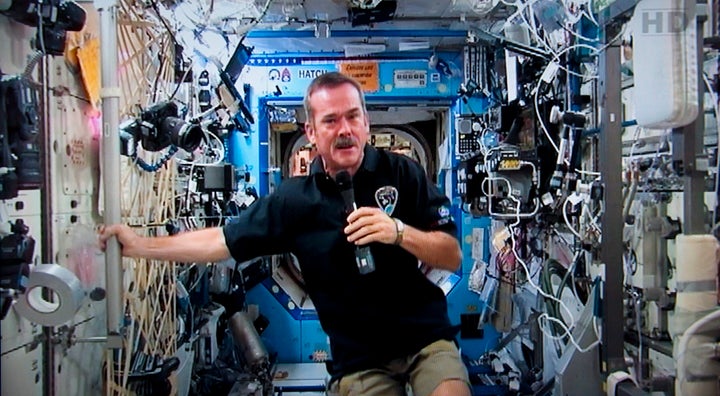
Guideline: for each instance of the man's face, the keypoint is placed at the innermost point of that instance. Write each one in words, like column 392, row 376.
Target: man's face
column 339, row 127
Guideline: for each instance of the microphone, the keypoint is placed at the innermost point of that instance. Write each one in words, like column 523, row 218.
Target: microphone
column 363, row 256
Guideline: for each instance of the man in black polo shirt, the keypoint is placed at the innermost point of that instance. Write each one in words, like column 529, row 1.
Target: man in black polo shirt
column 388, row 327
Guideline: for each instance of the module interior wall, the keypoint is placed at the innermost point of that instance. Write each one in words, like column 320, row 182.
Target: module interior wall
column 21, row 367
column 72, row 167
column 74, row 185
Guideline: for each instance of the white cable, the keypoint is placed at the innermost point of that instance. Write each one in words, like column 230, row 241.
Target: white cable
column 589, row 13
column 638, row 318
column 40, row 28
column 535, row 177
column 557, row 55
column 218, row 153
column 632, row 190
column 521, row 7
column 567, row 332
column 594, row 219
column 542, row 123
column 574, row 18
column 581, row 37
column 535, row 286
column 5, row 227
column 589, row 173
column 616, row 378
column 567, row 220
column 572, row 272
column 536, row 97
column 188, row 187
column 636, row 141
column 612, row 40
column 534, row 28
column 713, row 97
column 491, row 178
column 517, row 202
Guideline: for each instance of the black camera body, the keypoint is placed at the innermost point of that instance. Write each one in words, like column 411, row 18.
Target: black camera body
column 16, row 254
column 19, row 129
column 158, row 127
column 15, row 249
column 53, row 18
column 148, row 130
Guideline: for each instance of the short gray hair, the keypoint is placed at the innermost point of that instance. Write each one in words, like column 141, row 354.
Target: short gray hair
column 330, row 80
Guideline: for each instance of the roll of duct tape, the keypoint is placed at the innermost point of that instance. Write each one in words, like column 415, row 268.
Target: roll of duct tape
column 67, row 296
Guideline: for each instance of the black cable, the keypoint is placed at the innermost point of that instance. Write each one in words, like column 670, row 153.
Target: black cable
column 157, row 79
column 154, row 6
column 178, row 85
column 18, row 348
column 79, row 97
column 258, row 19
column 36, row 341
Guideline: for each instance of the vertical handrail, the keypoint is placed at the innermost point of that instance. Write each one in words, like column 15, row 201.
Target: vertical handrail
column 110, row 94
column 612, row 221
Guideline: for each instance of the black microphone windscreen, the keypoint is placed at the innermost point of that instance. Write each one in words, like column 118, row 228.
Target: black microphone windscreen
column 344, row 180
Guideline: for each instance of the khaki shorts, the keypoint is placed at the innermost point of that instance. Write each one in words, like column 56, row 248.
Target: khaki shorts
column 421, row 372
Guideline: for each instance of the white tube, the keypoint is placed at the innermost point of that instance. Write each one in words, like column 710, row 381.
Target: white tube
column 111, row 165
column 705, row 387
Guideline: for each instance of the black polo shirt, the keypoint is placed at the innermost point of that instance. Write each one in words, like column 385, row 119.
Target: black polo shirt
column 372, row 318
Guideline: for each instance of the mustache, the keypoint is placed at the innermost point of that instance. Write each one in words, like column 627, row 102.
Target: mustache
column 344, row 142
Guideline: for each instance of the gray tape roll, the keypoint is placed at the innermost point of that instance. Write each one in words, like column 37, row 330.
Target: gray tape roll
column 68, row 296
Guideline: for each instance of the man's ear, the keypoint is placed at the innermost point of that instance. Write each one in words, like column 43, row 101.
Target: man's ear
column 310, row 133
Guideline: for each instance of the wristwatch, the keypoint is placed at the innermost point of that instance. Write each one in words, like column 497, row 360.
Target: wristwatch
column 399, row 230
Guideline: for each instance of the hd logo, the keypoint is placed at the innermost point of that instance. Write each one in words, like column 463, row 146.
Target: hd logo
column 664, row 21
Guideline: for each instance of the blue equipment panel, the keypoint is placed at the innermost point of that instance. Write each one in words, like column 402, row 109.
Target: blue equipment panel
column 465, row 305
column 286, row 79
column 315, row 346
column 283, row 336
column 295, row 338
column 289, row 77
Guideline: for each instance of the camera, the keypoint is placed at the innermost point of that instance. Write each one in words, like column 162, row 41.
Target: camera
column 19, row 128
column 158, row 127
column 16, row 253
column 53, row 19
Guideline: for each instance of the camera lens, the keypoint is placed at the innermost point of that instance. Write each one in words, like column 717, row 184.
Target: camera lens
column 186, row 136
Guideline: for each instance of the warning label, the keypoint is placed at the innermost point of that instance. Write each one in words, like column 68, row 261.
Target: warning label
column 366, row 73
